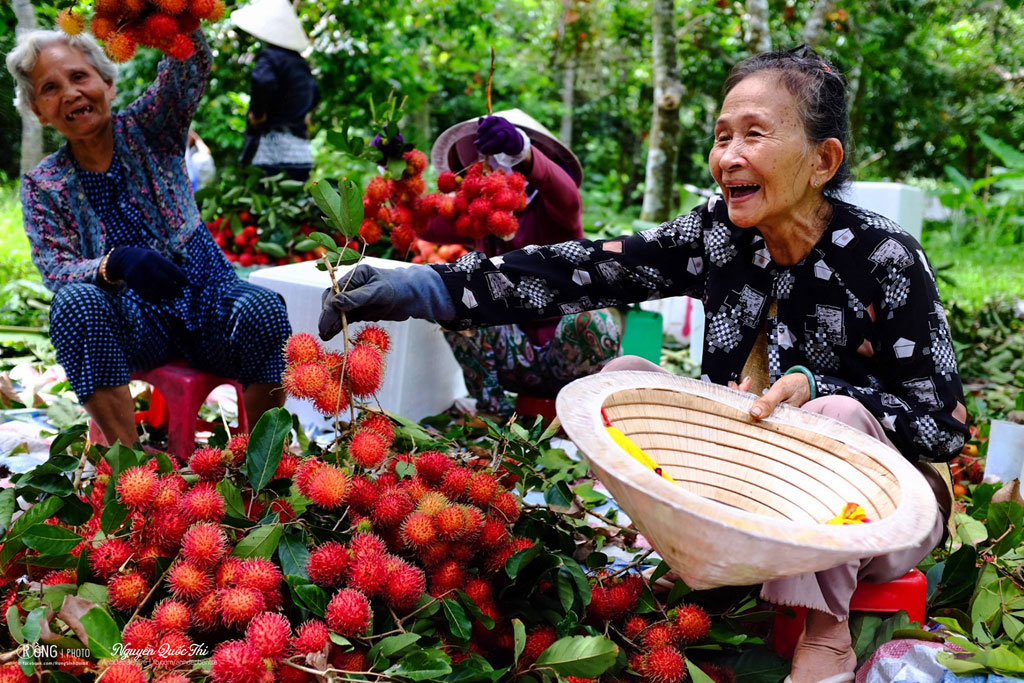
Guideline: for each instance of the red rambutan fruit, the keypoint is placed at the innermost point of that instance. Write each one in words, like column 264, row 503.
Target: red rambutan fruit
column 171, row 6
column 376, row 336
column 70, row 21
column 235, row 661
column 455, row 482
column 482, row 488
column 364, row 545
column 405, row 585
column 434, row 554
column 365, row 369
column 173, row 678
column 447, row 182
column 348, row 613
column 516, row 182
column 506, row 506
column 137, row 486
column 306, row 380
column 378, row 190
column 170, row 614
column 418, row 530
column 206, row 612
column 333, row 399
column 537, row 640
column 327, row 564
column 239, row 605
column 208, row 464
column 236, row 449
column 127, row 590
column 432, row 502
column 415, row 162
column 327, row 486
column 108, row 8
column 179, row 47
column 362, row 494
column 57, row 577
column 158, row 27
column 505, row 199
column 473, row 521
column 204, row 544
column 102, row 27
column 109, row 555
column 66, row 662
column 634, row 626
column 201, row 9
column 263, row 575
column 187, row 23
column 120, row 47
column 370, row 231
column 188, row 581
column 139, row 635
column 664, row 665
column 203, row 503
column 450, row 576
column 432, row 465
column 172, row 649
column 659, row 635
column 368, row 573
column 692, row 623
column 502, row 223
column 302, row 348
column 719, row 673
column 269, row 633
column 368, row 448
column 286, row 467
column 121, row 671
column 494, row 533
column 391, row 507
column 311, row 636
column 480, row 209
column 227, row 572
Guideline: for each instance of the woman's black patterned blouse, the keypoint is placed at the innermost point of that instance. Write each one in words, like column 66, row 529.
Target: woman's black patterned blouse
column 862, row 310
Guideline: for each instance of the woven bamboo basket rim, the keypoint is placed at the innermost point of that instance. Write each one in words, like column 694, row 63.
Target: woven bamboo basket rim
column 890, row 487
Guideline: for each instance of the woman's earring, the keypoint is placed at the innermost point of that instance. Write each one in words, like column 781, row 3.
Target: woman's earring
column 817, row 182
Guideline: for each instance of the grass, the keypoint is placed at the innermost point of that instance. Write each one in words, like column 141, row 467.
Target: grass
column 975, row 272
column 17, row 261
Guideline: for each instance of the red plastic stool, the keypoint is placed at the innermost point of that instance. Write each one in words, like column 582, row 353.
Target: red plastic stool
column 909, row 592
column 533, row 405
column 186, row 389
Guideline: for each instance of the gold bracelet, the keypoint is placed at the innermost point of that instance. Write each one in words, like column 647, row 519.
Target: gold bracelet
column 103, row 270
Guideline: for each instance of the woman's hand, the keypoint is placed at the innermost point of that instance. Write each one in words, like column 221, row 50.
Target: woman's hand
column 793, row 389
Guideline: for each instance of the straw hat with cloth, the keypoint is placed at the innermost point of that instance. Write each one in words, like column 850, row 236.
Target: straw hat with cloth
column 272, row 21
column 454, row 149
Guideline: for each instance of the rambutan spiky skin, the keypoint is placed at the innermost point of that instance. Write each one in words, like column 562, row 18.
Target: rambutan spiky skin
column 368, row 448
column 537, row 640
column 173, row 678
column 239, row 605
column 269, row 633
column 227, row 572
column 127, row 590
column 364, row 369
column 473, row 521
column 235, row 661
column 327, row 564
column 450, row 576
column 237, row 446
column 494, row 533
column 664, row 665
column 102, row 27
column 333, row 399
column 139, row 634
column 418, row 530
column 206, row 614
column 692, row 623
column 375, row 335
column 405, row 585
column 208, row 464
column 137, row 486
column 306, row 380
column 302, row 348
column 349, row 613
column 109, row 8
column 506, row 506
column 203, row 503
column 172, row 648
column 378, row 190
column 368, row 573
column 634, row 627
column 179, row 47
column 449, row 522
column 432, row 465
column 171, row 614
column 362, row 494
column 204, row 544
column 327, row 486
column 171, row 6
column 159, row 26
column 120, row 47
column 482, row 488
column 455, row 482
column 286, row 468
column 719, row 673
column 109, row 555
column 122, row 671
column 204, row 9
column 391, row 507
column 311, row 636
column 479, row 590
column 659, row 635
column 263, row 575
column 70, row 21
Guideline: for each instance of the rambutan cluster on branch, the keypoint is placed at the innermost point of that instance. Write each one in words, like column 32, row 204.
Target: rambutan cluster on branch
column 123, row 25
column 391, row 205
column 482, row 203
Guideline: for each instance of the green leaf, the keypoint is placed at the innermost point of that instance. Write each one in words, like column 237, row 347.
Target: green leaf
column 696, row 674
column 564, row 583
column 94, row 592
column 558, row 497
column 312, row 597
column 293, row 555
column 519, row 631
column 163, row 463
column 460, row 625
column 583, row 656
column 13, row 617
column 50, row 539
column 760, row 666
column 103, row 633
column 515, row 564
column 266, row 446
column 271, row 249
column 7, row 505
column 422, row 665
column 113, row 516
column 1010, row 156
column 321, row 238
column 306, row 245
column 67, row 437
column 40, row 512
column 392, row 645
column 75, row 511
column 260, row 542
column 34, row 624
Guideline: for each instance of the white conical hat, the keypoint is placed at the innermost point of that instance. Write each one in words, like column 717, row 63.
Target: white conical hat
column 272, row 21
column 444, row 155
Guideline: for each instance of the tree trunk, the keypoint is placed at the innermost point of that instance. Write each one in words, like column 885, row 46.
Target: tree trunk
column 758, row 37
column 31, row 131
column 663, row 142
column 568, row 99
column 815, row 26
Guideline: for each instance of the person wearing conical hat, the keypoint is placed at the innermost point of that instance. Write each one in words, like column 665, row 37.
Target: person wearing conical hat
column 283, row 92
column 538, row 357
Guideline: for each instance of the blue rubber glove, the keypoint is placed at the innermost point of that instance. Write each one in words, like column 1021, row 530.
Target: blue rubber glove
column 377, row 294
column 495, row 135
column 148, row 272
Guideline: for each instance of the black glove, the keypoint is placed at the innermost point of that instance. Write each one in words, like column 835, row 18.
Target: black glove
column 148, row 272
column 495, row 135
column 377, row 294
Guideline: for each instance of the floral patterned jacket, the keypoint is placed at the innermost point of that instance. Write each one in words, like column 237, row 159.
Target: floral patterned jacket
column 862, row 310
column 68, row 239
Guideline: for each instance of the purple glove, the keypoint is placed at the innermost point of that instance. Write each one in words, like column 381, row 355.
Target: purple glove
column 496, row 135
column 152, row 275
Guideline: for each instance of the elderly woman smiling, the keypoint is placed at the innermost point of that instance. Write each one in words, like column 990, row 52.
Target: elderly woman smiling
column 116, row 234
column 810, row 300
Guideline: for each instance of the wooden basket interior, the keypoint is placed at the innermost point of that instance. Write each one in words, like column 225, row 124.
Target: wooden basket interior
column 776, row 470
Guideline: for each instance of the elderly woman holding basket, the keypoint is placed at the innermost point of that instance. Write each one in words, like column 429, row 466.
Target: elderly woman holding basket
column 809, row 300
column 115, row 233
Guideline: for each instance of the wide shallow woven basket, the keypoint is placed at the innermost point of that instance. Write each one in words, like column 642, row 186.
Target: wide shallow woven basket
column 750, row 500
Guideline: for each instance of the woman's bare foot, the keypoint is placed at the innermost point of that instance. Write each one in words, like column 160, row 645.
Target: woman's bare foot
column 824, row 650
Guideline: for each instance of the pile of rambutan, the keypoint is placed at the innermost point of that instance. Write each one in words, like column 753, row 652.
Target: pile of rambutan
column 123, row 25
column 481, row 203
column 391, row 205
column 330, row 379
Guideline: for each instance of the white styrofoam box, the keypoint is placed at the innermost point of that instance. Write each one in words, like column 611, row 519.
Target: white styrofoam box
column 682, row 318
column 1005, row 451
column 901, row 203
column 423, row 378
